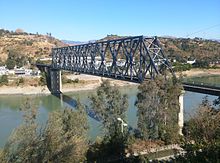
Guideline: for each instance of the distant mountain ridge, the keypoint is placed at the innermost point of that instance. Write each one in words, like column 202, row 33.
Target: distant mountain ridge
column 70, row 42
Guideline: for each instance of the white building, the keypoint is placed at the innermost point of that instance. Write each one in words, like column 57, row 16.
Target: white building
column 191, row 62
column 28, row 72
column 19, row 71
column 3, row 70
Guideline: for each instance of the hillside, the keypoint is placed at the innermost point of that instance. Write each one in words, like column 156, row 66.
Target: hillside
column 183, row 49
column 26, row 45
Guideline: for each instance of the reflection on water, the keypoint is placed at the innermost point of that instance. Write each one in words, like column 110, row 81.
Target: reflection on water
column 11, row 117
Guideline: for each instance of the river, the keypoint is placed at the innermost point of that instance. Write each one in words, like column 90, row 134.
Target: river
column 11, row 116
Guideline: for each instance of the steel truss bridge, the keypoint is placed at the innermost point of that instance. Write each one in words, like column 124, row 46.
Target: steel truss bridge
column 130, row 58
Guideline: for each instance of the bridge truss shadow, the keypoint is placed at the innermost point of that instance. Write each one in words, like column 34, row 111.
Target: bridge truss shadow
column 72, row 103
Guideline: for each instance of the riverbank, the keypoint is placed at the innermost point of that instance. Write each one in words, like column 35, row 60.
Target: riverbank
column 88, row 82
column 43, row 90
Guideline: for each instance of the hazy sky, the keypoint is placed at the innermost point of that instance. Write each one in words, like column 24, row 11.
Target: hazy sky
column 93, row 19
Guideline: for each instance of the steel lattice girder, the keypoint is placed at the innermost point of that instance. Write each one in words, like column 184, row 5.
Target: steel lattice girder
column 130, row 58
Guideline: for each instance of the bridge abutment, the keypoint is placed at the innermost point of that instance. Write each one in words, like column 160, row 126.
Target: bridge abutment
column 181, row 116
column 56, row 81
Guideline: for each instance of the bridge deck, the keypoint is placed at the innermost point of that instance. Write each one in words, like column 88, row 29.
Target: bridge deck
column 209, row 90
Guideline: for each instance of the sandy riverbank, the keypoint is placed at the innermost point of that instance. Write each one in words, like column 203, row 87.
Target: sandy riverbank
column 87, row 83
column 30, row 90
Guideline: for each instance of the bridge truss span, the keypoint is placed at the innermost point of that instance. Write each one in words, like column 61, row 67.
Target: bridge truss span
column 130, row 58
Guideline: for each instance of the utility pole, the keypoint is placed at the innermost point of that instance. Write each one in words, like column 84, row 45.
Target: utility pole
column 123, row 124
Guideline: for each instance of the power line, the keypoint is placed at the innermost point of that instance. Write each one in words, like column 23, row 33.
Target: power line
column 201, row 30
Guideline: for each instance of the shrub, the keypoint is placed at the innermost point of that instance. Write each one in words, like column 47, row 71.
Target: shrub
column 76, row 80
column 63, row 139
column 10, row 63
column 4, row 80
column 42, row 80
column 181, row 67
column 20, row 81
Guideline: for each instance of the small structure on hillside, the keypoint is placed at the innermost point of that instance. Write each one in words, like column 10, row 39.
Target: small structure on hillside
column 19, row 71
column 191, row 61
column 3, row 70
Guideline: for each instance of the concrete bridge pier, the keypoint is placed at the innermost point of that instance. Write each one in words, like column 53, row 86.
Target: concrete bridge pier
column 56, row 81
column 181, row 116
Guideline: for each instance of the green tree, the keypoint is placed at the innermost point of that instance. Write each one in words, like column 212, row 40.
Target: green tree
column 158, row 108
column 203, row 127
column 43, row 79
column 11, row 60
column 69, row 144
column 202, row 135
column 63, row 139
column 109, row 105
column 10, row 63
column 21, row 61
column 201, row 63
column 3, row 80
column 15, row 58
column 181, row 67
column 20, row 81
